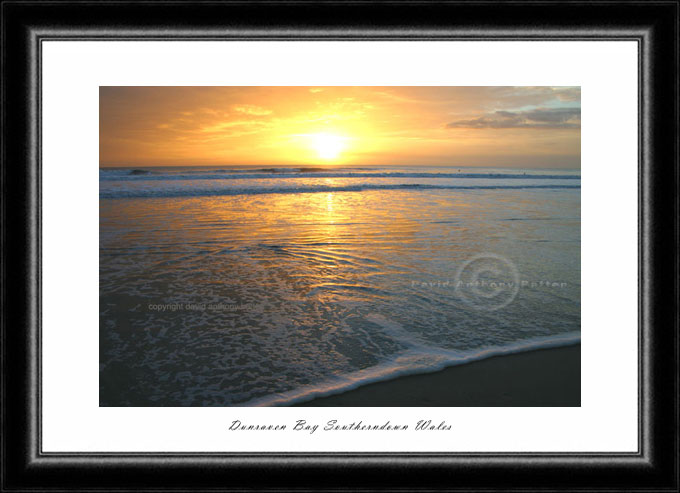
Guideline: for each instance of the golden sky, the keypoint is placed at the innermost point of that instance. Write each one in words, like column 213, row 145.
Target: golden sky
column 431, row 126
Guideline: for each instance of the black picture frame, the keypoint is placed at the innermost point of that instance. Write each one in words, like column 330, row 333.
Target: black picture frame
column 653, row 24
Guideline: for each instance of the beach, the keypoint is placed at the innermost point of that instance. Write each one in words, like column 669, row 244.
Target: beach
column 544, row 377
column 270, row 286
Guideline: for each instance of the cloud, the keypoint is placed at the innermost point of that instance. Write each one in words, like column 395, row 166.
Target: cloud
column 221, row 126
column 479, row 97
column 250, row 109
column 549, row 118
column 569, row 94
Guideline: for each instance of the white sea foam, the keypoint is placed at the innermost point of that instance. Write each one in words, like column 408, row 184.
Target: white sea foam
column 418, row 360
column 151, row 175
column 211, row 190
column 207, row 182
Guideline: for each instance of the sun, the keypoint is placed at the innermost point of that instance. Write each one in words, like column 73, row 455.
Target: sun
column 327, row 146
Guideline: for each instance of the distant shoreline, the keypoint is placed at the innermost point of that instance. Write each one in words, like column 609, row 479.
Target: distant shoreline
column 535, row 378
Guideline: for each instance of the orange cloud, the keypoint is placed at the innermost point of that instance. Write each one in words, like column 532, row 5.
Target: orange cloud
column 146, row 126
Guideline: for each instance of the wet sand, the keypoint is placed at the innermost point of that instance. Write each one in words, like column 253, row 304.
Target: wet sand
column 544, row 377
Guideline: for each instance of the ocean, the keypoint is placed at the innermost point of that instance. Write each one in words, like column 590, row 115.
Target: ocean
column 258, row 286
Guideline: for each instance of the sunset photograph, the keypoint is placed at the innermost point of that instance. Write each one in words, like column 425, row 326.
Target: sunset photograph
column 339, row 246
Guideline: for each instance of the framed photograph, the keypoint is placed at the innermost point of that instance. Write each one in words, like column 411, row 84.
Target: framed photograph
column 326, row 245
